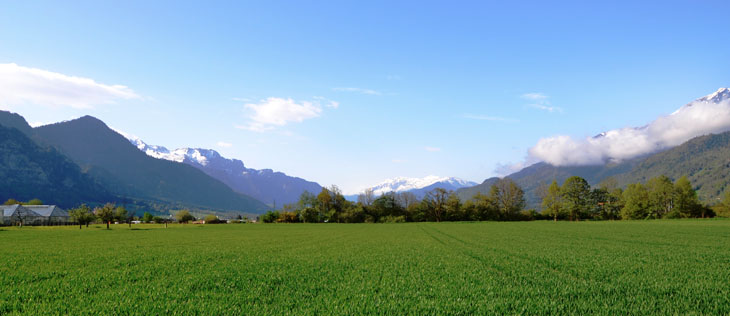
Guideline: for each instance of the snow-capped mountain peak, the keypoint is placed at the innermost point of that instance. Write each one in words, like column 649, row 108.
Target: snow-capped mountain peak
column 403, row 184
column 195, row 155
column 718, row 96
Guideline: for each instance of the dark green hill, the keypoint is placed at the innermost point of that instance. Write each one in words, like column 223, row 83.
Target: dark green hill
column 705, row 160
column 30, row 171
column 128, row 172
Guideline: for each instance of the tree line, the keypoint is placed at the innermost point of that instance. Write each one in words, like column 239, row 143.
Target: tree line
column 84, row 215
column 505, row 201
column 659, row 197
column 575, row 199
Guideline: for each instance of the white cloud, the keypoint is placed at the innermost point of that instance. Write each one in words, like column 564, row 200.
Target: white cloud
column 546, row 107
column 710, row 114
column 541, row 102
column 224, row 144
column 22, row 85
column 393, row 77
column 489, row 118
column 395, row 160
column 432, row 149
column 359, row 90
column 534, row 96
column 269, row 113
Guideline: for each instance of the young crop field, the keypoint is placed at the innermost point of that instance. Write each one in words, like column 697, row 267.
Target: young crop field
column 629, row 267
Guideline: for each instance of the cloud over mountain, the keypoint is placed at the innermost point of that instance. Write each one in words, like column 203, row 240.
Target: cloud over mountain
column 709, row 114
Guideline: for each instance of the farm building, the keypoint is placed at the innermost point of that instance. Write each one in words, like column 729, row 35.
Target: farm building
column 33, row 215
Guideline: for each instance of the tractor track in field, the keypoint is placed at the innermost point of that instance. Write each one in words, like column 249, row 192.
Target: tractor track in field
column 524, row 258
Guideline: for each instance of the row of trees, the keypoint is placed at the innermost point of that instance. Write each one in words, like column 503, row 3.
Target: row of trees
column 575, row 199
column 106, row 214
column 31, row 202
column 505, row 201
column 657, row 198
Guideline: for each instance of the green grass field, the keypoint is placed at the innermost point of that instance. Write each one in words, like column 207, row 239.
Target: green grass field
column 653, row 267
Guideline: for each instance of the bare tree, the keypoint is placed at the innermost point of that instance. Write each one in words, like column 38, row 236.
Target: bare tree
column 406, row 199
column 366, row 197
column 436, row 200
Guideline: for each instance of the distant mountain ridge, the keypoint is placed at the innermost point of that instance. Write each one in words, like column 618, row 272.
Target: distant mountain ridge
column 417, row 186
column 265, row 185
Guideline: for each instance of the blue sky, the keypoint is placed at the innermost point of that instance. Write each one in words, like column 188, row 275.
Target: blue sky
column 352, row 93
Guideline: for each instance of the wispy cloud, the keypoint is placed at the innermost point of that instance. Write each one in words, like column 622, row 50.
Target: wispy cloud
column 271, row 112
column 358, row 90
column 534, row 96
column 707, row 115
column 399, row 160
column 224, row 144
column 432, row 149
column 489, row 118
column 22, row 85
column 540, row 101
column 393, row 77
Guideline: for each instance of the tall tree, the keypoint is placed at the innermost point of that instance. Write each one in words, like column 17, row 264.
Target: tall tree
column 552, row 203
column 184, row 216
column 685, row 197
column 636, row 199
column 147, row 217
column 367, row 197
column 82, row 215
column 324, row 202
column 661, row 196
column 105, row 213
column 454, row 209
column 435, row 201
column 575, row 196
column 406, row 199
column 485, row 208
column 508, row 197
column 724, row 207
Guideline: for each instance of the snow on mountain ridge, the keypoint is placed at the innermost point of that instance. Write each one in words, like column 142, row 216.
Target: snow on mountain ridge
column 265, row 184
column 196, row 155
column 402, row 184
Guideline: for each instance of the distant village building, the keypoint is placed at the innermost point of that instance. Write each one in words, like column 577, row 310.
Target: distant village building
column 33, row 215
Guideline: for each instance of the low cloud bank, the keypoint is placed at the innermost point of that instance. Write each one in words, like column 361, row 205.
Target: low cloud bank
column 710, row 114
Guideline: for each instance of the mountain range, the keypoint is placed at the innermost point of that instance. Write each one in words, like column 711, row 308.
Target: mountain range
column 417, row 186
column 88, row 151
column 85, row 161
column 264, row 185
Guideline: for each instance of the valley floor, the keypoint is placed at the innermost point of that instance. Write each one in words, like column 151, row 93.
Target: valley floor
column 622, row 267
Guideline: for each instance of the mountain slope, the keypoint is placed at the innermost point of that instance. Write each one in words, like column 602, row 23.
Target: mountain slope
column 265, row 185
column 705, row 160
column 30, row 171
column 127, row 171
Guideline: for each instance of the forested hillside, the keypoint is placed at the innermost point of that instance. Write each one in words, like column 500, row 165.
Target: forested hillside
column 29, row 171
column 705, row 160
column 128, row 172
